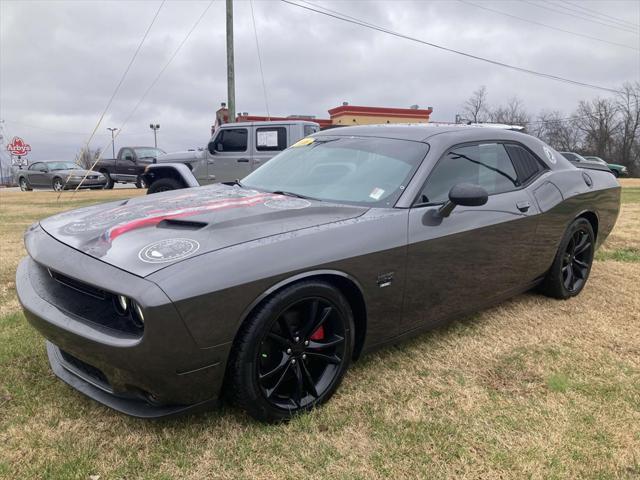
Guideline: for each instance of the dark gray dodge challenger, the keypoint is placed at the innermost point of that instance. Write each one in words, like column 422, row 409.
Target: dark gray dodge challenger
column 267, row 289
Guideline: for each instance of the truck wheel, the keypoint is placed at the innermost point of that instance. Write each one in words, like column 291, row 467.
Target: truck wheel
column 109, row 184
column 164, row 185
column 140, row 183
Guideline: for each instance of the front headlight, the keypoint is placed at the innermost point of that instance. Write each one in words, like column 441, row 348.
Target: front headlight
column 76, row 178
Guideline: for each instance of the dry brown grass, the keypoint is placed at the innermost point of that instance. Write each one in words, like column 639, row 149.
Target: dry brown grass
column 532, row 388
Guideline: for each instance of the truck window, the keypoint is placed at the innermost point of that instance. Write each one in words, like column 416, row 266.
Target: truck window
column 271, row 138
column 309, row 129
column 232, row 140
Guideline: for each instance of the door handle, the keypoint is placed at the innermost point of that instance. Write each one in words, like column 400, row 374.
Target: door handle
column 523, row 206
column 243, row 160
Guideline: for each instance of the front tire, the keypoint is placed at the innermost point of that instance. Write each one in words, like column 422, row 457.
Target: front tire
column 616, row 173
column 292, row 353
column 571, row 267
column 140, row 183
column 164, row 185
column 57, row 184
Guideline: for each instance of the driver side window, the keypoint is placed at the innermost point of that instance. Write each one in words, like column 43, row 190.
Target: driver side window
column 484, row 164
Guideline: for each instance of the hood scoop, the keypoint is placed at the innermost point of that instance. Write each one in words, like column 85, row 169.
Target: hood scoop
column 179, row 224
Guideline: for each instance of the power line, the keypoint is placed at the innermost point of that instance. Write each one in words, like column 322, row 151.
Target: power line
column 153, row 83
column 612, row 18
column 576, row 16
column 255, row 31
column 126, row 71
column 562, row 4
column 548, row 26
column 345, row 18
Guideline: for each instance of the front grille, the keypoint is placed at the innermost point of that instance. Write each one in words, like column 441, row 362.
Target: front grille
column 82, row 301
column 77, row 285
column 89, row 371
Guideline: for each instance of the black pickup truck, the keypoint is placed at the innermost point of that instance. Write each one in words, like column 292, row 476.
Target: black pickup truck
column 128, row 166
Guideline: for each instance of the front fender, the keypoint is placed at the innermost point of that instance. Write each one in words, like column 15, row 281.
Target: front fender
column 178, row 171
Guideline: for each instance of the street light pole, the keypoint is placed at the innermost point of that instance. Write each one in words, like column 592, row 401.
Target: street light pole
column 155, row 127
column 231, row 82
column 113, row 145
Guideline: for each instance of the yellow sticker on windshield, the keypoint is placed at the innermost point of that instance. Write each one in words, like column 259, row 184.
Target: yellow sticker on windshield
column 303, row 142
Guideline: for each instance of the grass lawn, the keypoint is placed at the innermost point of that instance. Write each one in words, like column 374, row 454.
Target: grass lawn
column 532, row 388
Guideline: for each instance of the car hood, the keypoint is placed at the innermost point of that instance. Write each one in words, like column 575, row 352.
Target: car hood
column 183, row 156
column 145, row 234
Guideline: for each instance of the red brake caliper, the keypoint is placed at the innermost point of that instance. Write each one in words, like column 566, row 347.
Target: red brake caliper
column 318, row 334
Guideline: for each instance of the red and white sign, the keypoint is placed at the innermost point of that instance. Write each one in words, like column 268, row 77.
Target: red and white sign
column 18, row 147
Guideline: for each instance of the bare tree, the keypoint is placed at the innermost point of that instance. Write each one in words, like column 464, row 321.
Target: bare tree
column 86, row 157
column 561, row 133
column 513, row 113
column 627, row 146
column 475, row 108
column 598, row 120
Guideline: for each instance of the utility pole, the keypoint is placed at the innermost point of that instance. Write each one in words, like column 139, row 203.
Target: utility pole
column 231, row 82
column 113, row 145
column 155, row 127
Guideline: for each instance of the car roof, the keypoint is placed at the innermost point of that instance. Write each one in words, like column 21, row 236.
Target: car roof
column 269, row 123
column 421, row 132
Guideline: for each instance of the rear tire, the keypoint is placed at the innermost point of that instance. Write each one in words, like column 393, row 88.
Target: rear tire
column 109, row 184
column 164, row 185
column 571, row 267
column 24, row 186
column 292, row 353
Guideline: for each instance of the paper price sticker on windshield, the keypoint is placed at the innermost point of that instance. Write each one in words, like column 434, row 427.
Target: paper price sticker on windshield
column 376, row 193
column 303, row 142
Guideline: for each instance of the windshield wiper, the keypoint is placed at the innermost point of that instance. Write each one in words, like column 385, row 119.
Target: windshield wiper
column 293, row 194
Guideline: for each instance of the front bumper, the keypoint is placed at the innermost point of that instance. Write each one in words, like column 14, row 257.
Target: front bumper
column 87, row 183
column 160, row 371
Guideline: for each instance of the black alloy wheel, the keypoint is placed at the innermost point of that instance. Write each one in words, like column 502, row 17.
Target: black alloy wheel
column 301, row 354
column 291, row 355
column 576, row 260
column 571, row 267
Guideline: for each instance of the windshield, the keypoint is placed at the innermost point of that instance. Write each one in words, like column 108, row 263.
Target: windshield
column 63, row 166
column 596, row 160
column 148, row 152
column 361, row 171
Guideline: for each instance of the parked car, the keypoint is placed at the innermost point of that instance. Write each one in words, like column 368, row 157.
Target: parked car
column 234, row 151
column 618, row 170
column 268, row 289
column 59, row 175
column 581, row 162
column 129, row 165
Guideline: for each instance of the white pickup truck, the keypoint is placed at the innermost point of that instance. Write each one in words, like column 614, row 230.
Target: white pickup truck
column 234, row 151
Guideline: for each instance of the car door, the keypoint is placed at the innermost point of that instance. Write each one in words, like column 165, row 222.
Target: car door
column 461, row 262
column 231, row 158
column 37, row 175
column 126, row 164
column 268, row 141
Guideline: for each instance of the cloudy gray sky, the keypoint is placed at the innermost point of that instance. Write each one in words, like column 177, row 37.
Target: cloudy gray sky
column 61, row 60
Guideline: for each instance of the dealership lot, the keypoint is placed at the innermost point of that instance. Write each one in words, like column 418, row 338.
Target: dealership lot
column 533, row 387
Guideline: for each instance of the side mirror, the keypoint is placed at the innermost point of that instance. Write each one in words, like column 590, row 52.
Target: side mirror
column 129, row 158
column 465, row 194
column 212, row 148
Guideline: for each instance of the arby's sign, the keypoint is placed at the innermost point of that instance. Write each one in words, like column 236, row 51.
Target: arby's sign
column 18, row 147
